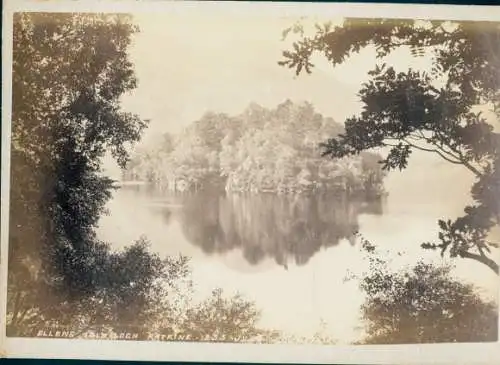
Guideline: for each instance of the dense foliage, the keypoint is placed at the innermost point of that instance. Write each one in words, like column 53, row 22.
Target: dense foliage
column 69, row 71
column 260, row 150
column 217, row 318
column 432, row 111
column 422, row 304
column 165, row 312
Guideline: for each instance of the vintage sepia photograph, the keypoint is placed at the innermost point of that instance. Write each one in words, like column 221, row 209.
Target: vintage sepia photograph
column 251, row 178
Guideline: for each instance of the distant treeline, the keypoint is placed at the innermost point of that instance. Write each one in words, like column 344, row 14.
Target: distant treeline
column 261, row 150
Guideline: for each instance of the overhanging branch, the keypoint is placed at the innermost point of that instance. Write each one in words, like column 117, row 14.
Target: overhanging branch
column 456, row 162
column 482, row 259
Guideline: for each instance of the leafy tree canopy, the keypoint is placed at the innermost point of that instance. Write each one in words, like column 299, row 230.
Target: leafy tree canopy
column 260, row 150
column 422, row 304
column 69, row 72
column 417, row 110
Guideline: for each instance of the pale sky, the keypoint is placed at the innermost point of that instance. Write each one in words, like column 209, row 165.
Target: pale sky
column 187, row 65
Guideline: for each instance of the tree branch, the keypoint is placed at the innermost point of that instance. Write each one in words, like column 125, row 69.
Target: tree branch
column 441, row 147
column 493, row 244
column 482, row 259
column 463, row 160
column 471, row 168
column 456, row 162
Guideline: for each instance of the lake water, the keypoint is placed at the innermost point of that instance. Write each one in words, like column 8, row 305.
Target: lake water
column 291, row 255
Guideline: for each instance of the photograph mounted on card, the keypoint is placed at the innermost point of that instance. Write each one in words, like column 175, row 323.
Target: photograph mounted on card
column 250, row 182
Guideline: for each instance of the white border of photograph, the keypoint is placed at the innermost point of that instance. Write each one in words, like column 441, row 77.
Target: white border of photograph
column 486, row 353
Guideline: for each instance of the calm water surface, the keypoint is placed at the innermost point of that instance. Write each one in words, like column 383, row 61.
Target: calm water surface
column 291, row 255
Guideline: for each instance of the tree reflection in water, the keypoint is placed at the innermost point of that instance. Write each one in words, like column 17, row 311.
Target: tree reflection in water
column 288, row 229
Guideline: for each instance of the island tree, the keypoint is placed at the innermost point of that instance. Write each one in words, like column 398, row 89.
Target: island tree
column 261, row 150
column 434, row 111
